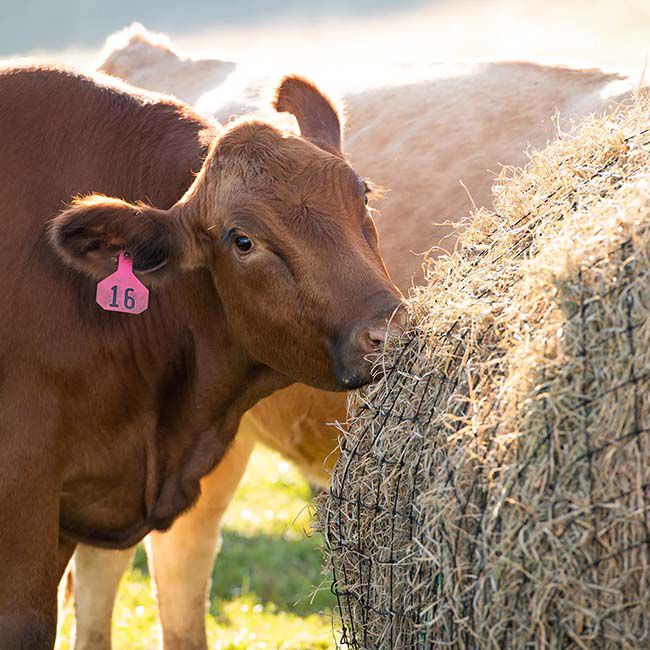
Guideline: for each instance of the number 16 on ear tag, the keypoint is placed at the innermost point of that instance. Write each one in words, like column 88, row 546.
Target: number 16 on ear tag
column 122, row 291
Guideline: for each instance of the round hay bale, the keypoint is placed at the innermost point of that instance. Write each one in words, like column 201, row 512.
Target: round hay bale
column 494, row 486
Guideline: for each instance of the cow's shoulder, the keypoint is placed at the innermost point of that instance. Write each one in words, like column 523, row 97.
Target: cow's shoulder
column 91, row 94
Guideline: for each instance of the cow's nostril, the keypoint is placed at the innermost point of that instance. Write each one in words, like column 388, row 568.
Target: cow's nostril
column 356, row 350
column 376, row 336
column 399, row 321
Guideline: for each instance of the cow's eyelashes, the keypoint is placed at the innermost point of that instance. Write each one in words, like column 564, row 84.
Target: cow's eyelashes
column 364, row 189
column 240, row 241
column 366, row 192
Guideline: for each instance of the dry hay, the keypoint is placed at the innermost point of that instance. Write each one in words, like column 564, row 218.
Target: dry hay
column 494, row 487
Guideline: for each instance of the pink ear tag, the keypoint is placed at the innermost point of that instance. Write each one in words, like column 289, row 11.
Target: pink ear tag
column 122, row 291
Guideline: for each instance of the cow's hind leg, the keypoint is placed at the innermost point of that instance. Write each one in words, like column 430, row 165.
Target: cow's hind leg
column 97, row 574
column 181, row 559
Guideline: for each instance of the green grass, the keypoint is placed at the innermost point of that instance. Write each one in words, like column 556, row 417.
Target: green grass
column 267, row 591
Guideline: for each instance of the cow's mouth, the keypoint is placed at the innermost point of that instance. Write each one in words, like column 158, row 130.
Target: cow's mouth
column 351, row 380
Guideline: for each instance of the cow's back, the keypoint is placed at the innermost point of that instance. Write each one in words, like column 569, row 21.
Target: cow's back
column 438, row 144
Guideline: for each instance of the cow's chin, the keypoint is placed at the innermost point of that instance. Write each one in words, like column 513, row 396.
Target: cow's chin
column 353, row 382
column 325, row 372
column 332, row 383
column 322, row 377
column 340, row 380
column 353, row 377
column 350, row 376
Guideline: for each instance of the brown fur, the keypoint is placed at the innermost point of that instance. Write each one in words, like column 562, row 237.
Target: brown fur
column 109, row 421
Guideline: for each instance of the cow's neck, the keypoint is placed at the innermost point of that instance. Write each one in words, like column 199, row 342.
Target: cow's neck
column 225, row 384
column 191, row 400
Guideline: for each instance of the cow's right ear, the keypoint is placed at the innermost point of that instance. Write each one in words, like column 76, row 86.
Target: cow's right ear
column 92, row 231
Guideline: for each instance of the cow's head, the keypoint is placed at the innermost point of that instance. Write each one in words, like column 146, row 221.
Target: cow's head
column 281, row 223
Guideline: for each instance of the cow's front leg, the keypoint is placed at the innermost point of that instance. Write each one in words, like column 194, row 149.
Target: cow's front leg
column 181, row 559
column 97, row 574
column 29, row 545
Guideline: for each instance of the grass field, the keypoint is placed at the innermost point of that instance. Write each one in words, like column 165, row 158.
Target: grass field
column 267, row 593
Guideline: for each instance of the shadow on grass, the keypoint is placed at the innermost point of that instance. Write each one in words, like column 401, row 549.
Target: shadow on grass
column 271, row 569
column 277, row 572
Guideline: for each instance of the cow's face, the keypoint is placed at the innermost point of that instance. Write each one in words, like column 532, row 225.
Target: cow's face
column 293, row 252
column 281, row 223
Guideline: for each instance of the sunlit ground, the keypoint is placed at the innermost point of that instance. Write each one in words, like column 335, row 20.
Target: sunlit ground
column 268, row 591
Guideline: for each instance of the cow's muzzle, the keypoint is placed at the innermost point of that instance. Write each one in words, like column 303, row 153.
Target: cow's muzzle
column 357, row 351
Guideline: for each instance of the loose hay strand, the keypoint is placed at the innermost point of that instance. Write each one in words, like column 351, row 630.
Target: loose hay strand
column 494, row 486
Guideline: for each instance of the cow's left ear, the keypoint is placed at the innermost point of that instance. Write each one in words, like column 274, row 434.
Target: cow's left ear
column 318, row 119
column 90, row 234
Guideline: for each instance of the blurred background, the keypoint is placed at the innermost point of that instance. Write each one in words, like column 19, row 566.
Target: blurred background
column 603, row 32
column 268, row 591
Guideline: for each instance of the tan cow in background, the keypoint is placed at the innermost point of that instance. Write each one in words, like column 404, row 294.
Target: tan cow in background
column 436, row 145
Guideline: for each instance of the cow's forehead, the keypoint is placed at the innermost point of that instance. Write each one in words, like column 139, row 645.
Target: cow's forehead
column 264, row 157
column 314, row 168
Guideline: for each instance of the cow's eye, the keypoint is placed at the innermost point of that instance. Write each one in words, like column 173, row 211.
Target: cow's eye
column 244, row 244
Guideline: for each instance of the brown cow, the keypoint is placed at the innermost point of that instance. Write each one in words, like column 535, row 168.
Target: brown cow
column 263, row 269
column 145, row 58
column 418, row 139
